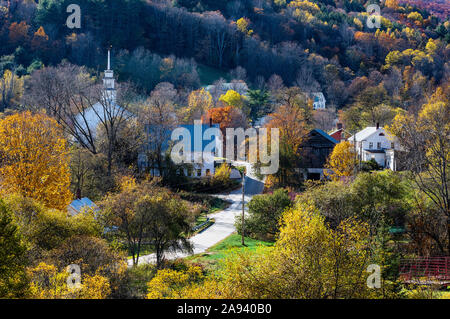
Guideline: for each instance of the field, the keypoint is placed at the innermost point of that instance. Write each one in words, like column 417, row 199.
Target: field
column 210, row 259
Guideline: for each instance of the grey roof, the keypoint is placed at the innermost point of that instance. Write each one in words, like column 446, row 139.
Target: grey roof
column 79, row 204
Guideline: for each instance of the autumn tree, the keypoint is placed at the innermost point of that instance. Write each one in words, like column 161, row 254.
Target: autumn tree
column 34, row 159
column 146, row 214
column 49, row 282
column 78, row 103
column 11, row 89
column 309, row 260
column 158, row 114
column 243, row 26
column 199, row 103
column 232, row 98
column 18, row 33
column 342, row 161
column 40, row 39
column 424, row 139
column 291, row 120
column 227, row 117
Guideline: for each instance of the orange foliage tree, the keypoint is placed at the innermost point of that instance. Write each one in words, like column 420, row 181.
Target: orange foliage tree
column 18, row 32
column 34, row 159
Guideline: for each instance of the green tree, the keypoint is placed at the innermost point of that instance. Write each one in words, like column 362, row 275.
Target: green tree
column 264, row 213
column 258, row 101
column 13, row 280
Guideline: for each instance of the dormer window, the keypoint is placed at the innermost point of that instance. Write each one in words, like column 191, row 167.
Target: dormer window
column 381, row 134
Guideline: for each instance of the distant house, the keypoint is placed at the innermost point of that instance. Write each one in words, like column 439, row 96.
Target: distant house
column 218, row 90
column 262, row 121
column 339, row 134
column 81, row 205
column 314, row 151
column 319, row 102
column 196, row 170
column 375, row 143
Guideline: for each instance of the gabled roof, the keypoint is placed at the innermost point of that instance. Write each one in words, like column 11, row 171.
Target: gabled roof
column 83, row 203
column 365, row 133
column 191, row 129
column 328, row 137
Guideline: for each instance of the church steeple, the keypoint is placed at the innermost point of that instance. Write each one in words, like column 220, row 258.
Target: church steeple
column 108, row 82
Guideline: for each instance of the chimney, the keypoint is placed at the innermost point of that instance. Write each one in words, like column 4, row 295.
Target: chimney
column 210, row 122
column 339, row 126
column 78, row 193
column 378, row 125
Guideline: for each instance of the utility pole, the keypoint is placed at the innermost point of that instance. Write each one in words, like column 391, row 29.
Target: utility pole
column 243, row 206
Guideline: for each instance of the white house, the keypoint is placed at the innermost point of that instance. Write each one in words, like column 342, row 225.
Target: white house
column 319, row 102
column 200, row 163
column 375, row 143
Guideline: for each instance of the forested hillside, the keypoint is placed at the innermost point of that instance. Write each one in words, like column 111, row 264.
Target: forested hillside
column 320, row 45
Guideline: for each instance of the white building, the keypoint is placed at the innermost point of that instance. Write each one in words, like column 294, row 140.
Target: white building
column 199, row 162
column 104, row 110
column 375, row 143
column 319, row 102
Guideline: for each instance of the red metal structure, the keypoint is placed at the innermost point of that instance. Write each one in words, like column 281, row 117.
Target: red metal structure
column 426, row 270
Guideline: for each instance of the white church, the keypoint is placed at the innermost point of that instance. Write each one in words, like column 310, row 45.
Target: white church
column 105, row 109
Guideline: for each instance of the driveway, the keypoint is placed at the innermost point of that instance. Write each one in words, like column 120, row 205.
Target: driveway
column 224, row 220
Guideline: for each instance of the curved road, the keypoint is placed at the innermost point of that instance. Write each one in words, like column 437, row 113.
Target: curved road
column 224, row 220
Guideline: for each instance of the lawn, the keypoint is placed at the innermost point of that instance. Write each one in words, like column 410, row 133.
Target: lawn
column 209, row 75
column 214, row 254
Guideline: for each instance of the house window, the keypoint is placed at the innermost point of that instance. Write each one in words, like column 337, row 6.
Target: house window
column 392, row 145
column 208, row 172
column 199, row 172
column 379, row 145
column 370, row 145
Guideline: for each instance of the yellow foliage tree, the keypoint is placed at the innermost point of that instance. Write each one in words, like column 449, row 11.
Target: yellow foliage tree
column 342, row 161
column 242, row 25
column 393, row 4
column 34, row 159
column 11, row 89
column 309, row 260
column 222, row 175
column 199, row 103
column 170, row 284
column 49, row 283
column 232, row 98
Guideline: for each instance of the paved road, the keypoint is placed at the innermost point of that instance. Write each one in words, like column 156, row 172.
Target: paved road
column 224, row 220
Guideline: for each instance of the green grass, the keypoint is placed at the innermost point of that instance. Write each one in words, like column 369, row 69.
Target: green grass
column 208, row 74
column 218, row 205
column 221, row 250
column 145, row 250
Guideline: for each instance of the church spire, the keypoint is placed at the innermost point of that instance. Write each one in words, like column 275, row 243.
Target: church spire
column 108, row 82
column 109, row 59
